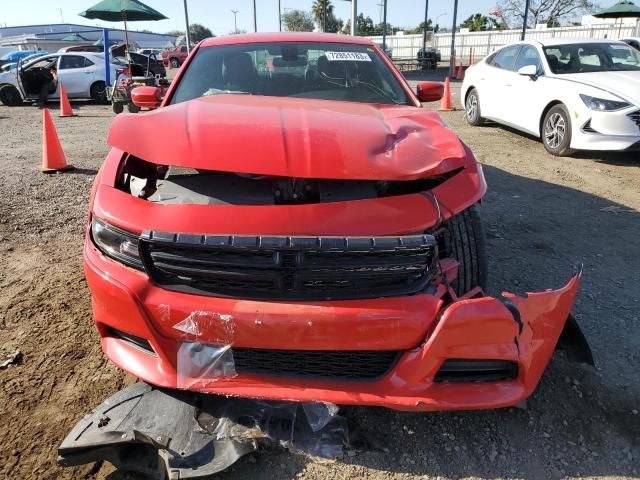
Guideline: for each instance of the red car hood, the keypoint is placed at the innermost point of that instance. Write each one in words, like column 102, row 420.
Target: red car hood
column 292, row 137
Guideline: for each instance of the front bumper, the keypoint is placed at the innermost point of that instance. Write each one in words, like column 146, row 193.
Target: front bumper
column 613, row 131
column 523, row 330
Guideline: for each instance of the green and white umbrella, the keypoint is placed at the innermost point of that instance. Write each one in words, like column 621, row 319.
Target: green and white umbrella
column 122, row 11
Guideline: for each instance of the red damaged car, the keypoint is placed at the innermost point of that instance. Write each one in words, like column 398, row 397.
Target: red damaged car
column 306, row 231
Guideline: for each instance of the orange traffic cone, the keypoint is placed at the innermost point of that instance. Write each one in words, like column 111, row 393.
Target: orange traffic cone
column 460, row 75
column 446, row 105
column 65, row 106
column 53, row 159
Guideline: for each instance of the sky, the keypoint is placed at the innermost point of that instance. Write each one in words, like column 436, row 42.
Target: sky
column 217, row 15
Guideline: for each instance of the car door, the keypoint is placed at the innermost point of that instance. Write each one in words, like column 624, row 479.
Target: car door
column 74, row 74
column 494, row 80
column 523, row 95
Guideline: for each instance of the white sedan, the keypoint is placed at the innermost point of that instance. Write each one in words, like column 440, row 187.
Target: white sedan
column 573, row 94
column 81, row 73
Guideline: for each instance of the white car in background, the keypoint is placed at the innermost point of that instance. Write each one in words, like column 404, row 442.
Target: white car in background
column 81, row 73
column 574, row 94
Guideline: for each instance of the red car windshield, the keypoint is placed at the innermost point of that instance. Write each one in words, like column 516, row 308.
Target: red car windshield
column 325, row 71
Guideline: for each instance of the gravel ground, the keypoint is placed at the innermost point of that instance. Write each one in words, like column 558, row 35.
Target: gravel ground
column 542, row 214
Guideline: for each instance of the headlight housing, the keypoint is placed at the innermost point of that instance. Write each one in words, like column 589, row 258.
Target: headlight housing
column 116, row 243
column 602, row 104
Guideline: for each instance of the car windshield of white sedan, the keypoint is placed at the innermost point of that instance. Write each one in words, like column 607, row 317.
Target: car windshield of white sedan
column 591, row 57
column 325, row 71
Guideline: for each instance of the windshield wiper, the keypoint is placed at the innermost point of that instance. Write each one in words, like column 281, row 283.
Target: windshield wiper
column 217, row 91
column 380, row 92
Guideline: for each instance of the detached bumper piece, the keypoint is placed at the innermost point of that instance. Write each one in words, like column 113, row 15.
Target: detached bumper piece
column 169, row 434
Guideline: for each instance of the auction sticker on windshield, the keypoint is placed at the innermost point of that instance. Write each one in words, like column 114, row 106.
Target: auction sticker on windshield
column 347, row 57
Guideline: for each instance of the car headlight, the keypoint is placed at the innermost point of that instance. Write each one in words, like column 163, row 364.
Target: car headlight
column 602, row 104
column 116, row 243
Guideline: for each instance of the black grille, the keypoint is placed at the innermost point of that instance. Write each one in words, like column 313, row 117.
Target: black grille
column 635, row 116
column 588, row 128
column 458, row 370
column 320, row 364
column 289, row 268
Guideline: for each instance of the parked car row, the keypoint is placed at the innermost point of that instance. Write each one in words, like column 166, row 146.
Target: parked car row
column 573, row 94
column 82, row 74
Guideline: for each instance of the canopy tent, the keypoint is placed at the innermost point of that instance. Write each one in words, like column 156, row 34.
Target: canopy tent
column 122, row 11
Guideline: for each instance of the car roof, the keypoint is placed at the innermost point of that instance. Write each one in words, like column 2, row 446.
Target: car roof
column 550, row 42
column 285, row 37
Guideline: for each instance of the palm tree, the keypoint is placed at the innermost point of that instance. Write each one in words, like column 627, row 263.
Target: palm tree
column 321, row 8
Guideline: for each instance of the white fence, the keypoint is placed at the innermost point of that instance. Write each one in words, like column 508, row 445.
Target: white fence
column 483, row 43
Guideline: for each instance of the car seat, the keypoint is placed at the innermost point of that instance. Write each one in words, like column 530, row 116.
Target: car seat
column 239, row 72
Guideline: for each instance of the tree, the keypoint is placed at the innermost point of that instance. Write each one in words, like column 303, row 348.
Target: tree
column 365, row 26
column 543, row 11
column 199, row 32
column 175, row 33
column 334, row 24
column 420, row 28
column 298, row 21
column 478, row 23
column 318, row 10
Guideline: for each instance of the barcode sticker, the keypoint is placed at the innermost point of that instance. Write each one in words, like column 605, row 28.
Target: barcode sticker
column 347, row 57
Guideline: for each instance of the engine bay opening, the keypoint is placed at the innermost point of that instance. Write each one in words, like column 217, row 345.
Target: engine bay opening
column 178, row 185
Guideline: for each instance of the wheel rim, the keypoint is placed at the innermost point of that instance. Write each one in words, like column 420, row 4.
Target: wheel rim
column 174, row 63
column 555, row 129
column 472, row 107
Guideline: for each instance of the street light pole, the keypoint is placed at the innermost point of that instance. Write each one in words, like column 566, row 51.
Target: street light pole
column 280, row 15
column 452, row 60
column 235, row 20
column 424, row 30
column 255, row 18
column 524, row 23
column 186, row 22
column 384, row 26
column 354, row 17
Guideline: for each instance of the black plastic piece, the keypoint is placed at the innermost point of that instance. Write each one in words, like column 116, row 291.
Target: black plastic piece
column 171, row 434
column 574, row 343
column 289, row 268
column 320, row 364
column 465, row 370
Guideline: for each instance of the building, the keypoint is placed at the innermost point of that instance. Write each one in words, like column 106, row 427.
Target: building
column 52, row 37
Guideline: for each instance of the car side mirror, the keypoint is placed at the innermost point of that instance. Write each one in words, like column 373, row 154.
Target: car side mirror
column 146, row 97
column 430, row 91
column 528, row 71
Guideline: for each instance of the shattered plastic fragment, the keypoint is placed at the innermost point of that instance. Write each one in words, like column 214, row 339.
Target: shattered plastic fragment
column 313, row 429
column 319, row 414
column 220, row 328
column 199, row 364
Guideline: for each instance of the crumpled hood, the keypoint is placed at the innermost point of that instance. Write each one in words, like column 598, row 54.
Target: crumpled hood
column 623, row 84
column 292, row 137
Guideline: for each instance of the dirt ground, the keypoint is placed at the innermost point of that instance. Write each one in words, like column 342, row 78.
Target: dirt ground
column 542, row 215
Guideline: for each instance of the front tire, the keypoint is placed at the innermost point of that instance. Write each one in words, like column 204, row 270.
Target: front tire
column 133, row 108
column 98, row 92
column 117, row 107
column 10, row 96
column 462, row 238
column 556, row 131
column 472, row 109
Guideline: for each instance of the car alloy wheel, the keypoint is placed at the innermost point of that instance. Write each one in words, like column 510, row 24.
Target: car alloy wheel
column 555, row 129
column 175, row 63
column 472, row 108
